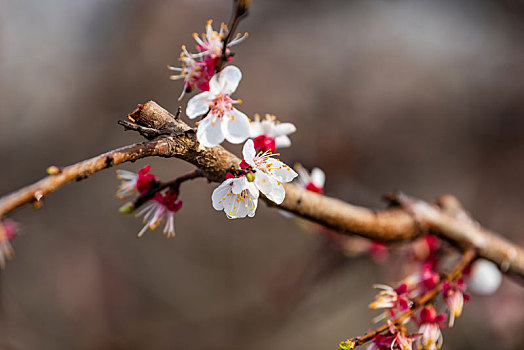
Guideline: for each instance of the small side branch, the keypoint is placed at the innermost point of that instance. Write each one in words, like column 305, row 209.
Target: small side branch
column 174, row 185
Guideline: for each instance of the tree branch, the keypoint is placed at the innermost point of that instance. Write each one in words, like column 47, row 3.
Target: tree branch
column 404, row 221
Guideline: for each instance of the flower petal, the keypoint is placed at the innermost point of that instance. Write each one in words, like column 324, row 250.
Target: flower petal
column 270, row 187
column 255, row 128
column 283, row 129
column 226, row 81
column 278, row 193
column 239, row 184
column 198, row 105
column 318, row 177
column 235, row 127
column 209, row 132
column 282, row 141
column 220, row 193
column 249, row 152
column 280, row 170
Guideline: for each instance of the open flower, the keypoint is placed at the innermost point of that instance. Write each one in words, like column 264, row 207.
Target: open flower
column 195, row 73
column 430, row 325
column 270, row 172
column 8, row 230
column 269, row 134
column 161, row 207
column 237, row 197
column 454, row 297
column 313, row 182
column 238, row 194
column 223, row 120
column 391, row 299
column 132, row 183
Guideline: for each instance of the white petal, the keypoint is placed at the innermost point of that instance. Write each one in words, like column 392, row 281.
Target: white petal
column 283, row 129
column 209, row 132
column 239, row 184
column 252, row 207
column 249, row 152
column 270, row 187
column 280, row 170
column 278, row 193
column 264, row 182
column 267, row 126
column 198, row 105
column 235, row 206
column 282, row 141
column 253, row 189
column 235, row 127
column 318, row 177
column 255, row 129
column 220, row 193
column 226, row 81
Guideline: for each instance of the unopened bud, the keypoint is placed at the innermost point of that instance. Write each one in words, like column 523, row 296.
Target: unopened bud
column 127, row 208
column 53, row 170
column 347, row 345
column 250, row 177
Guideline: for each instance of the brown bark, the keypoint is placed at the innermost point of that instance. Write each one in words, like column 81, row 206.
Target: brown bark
column 404, row 221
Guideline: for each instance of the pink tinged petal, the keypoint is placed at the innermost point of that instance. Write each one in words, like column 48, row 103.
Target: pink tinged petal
column 226, row 81
column 282, row 141
column 209, row 132
column 198, row 105
column 318, row 177
column 235, row 127
column 283, row 129
column 249, row 152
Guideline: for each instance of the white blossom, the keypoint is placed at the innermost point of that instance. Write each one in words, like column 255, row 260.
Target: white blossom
column 269, row 134
column 238, row 196
column 485, row 277
column 223, row 121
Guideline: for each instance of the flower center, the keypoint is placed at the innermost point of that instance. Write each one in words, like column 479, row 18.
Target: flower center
column 221, row 104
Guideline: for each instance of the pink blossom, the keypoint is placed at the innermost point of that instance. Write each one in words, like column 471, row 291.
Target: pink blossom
column 391, row 299
column 454, row 297
column 430, row 324
column 161, row 207
column 132, row 183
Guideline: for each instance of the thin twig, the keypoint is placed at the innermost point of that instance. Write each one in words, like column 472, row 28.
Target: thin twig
column 79, row 171
column 173, row 184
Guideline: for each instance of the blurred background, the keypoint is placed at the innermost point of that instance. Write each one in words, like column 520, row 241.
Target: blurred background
column 422, row 96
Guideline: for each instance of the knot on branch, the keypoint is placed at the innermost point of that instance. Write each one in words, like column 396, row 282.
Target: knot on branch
column 151, row 121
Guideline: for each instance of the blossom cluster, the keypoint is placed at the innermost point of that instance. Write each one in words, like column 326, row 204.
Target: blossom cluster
column 161, row 207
